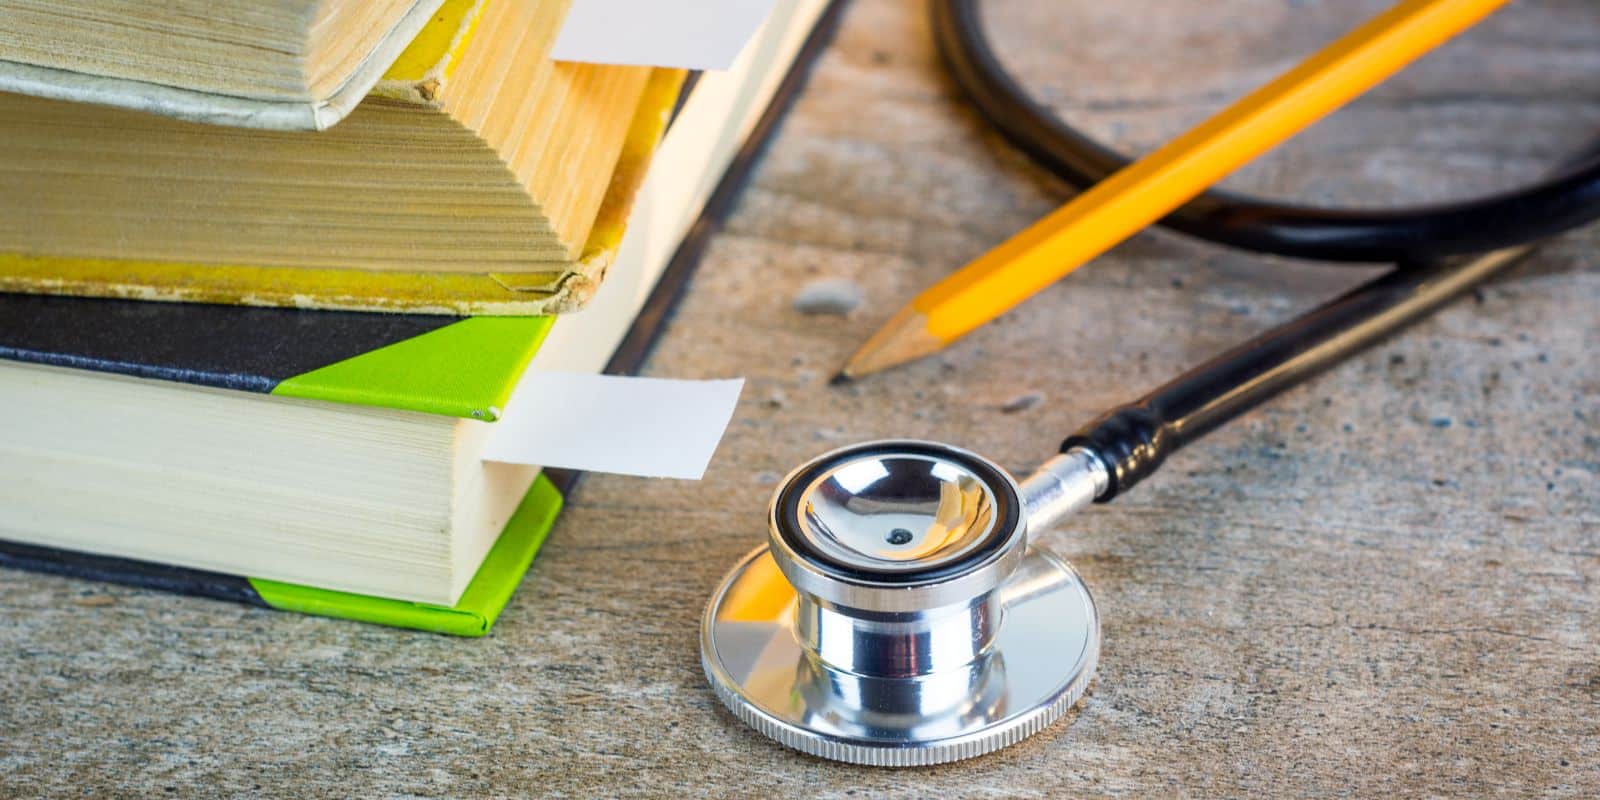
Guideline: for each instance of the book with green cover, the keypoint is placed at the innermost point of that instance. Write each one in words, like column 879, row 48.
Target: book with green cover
column 120, row 412
column 78, row 361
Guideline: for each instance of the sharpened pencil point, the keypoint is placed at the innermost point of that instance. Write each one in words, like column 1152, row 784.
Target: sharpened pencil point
column 840, row 378
column 904, row 338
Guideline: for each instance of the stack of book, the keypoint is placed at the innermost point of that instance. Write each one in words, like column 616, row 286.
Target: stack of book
column 269, row 272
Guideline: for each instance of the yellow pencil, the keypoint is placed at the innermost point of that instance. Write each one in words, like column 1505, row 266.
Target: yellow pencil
column 1150, row 188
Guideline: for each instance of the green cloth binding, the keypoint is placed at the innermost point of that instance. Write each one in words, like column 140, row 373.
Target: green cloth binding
column 485, row 596
column 466, row 369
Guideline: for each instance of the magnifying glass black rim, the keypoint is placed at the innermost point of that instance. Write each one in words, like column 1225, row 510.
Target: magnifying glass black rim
column 1008, row 513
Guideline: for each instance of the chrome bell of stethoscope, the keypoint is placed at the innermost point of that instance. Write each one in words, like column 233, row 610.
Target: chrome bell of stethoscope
column 898, row 615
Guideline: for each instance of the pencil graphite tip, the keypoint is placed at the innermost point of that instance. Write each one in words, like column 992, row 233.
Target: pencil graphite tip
column 840, row 378
column 904, row 338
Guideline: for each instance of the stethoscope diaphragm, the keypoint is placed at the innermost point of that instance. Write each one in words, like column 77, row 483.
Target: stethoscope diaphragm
column 898, row 615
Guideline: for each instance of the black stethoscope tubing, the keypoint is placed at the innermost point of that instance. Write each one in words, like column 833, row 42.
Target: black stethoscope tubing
column 1428, row 244
column 1548, row 207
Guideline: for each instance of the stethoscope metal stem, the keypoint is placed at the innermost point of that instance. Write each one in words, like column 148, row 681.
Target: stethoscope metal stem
column 1062, row 486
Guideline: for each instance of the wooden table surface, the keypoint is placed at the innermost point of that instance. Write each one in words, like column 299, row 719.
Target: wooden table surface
column 1385, row 582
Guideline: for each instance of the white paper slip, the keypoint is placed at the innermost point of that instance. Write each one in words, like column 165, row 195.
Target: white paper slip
column 654, row 427
column 692, row 34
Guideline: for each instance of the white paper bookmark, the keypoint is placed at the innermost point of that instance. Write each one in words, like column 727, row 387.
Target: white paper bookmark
column 693, row 34
column 607, row 423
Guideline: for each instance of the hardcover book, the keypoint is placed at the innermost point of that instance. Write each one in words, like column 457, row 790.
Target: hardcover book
column 325, row 462
column 282, row 64
column 477, row 177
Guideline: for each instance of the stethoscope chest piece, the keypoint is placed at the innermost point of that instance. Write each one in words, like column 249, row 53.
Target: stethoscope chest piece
column 897, row 615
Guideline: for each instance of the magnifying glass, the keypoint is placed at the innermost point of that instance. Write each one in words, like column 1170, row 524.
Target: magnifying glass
column 900, row 615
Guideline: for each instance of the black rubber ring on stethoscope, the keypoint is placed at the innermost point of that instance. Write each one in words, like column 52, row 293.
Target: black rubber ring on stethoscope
column 1008, row 514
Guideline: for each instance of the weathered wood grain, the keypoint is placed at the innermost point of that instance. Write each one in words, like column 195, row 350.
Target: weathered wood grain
column 1385, row 583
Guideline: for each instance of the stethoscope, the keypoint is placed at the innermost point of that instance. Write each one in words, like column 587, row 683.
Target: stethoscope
column 899, row 613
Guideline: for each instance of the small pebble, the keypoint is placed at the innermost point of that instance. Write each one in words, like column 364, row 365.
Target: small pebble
column 1440, row 422
column 1022, row 402
column 836, row 296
